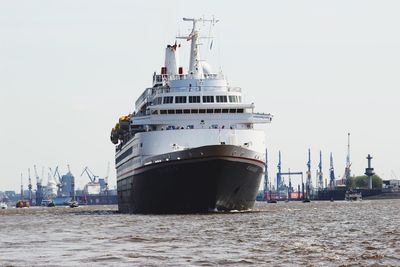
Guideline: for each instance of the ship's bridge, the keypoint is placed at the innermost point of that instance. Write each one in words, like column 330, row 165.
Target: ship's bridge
column 191, row 84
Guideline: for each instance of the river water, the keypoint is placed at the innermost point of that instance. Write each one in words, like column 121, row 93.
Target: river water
column 364, row 233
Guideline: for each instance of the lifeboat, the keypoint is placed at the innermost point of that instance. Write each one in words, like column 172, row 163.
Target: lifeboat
column 120, row 129
column 124, row 122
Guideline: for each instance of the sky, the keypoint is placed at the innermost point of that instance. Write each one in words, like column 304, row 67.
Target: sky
column 70, row 69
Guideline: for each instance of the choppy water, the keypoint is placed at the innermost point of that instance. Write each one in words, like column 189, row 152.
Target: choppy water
column 365, row 233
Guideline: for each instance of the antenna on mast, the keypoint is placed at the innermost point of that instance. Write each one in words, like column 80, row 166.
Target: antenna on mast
column 195, row 66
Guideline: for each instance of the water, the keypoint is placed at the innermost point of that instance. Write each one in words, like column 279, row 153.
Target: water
column 365, row 233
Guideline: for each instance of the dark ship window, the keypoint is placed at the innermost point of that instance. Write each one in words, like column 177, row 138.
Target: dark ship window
column 168, row 99
column 208, row 99
column 180, row 99
column 233, row 99
column 194, row 99
column 221, row 99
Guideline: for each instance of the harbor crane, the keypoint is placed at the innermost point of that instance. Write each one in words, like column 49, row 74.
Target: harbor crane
column 278, row 175
column 39, row 188
column 279, row 179
column 30, row 186
column 59, row 183
column 72, row 183
column 320, row 174
column 347, row 171
column 90, row 174
column 309, row 181
column 331, row 174
column 57, row 179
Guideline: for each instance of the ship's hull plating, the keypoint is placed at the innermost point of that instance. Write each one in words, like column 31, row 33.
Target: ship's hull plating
column 220, row 177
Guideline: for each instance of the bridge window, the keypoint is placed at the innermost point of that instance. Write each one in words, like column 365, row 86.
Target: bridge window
column 240, row 110
column 202, row 111
column 217, row 110
column 163, row 112
column 232, row 110
column 168, row 100
column 208, row 99
column 233, row 99
column 221, row 99
column 178, row 111
column 157, row 101
column 186, row 111
column 194, row 111
column 171, row 111
column 194, row 99
column 210, row 111
column 180, row 99
column 225, row 110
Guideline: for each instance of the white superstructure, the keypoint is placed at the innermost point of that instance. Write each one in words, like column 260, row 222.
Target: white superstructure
column 184, row 110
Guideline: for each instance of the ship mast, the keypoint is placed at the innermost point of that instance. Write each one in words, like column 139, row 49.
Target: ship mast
column 195, row 67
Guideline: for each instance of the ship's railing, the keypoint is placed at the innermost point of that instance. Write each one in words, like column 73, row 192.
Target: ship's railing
column 191, row 76
column 235, row 89
column 162, row 78
column 190, row 88
column 144, row 96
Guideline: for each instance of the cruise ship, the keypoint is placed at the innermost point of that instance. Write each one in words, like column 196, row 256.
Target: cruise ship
column 190, row 145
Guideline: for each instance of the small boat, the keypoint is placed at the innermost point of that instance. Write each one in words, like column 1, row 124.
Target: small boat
column 306, row 200
column 3, row 205
column 48, row 203
column 74, row 204
column 353, row 196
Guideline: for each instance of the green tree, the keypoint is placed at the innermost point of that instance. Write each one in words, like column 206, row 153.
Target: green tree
column 362, row 181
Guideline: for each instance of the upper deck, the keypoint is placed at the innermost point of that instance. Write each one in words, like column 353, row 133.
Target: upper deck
column 198, row 98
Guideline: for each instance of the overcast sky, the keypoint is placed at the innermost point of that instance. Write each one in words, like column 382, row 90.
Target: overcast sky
column 69, row 69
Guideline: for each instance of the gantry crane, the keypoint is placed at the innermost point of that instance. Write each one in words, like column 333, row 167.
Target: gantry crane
column 90, row 174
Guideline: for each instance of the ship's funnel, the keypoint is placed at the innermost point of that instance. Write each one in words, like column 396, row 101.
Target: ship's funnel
column 172, row 59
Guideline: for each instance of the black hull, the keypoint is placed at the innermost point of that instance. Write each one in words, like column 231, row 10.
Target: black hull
column 218, row 178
